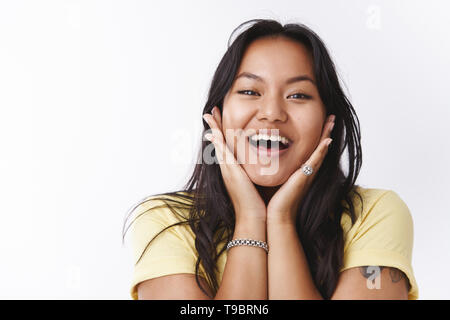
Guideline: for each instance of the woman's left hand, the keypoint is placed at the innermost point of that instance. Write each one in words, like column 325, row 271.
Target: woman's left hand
column 282, row 207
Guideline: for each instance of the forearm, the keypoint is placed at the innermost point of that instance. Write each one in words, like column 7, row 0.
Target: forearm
column 245, row 273
column 289, row 276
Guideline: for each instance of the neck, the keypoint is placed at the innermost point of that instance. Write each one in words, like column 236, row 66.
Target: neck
column 266, row 193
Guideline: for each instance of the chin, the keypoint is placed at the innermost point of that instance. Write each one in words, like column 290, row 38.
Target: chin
column 269, row 177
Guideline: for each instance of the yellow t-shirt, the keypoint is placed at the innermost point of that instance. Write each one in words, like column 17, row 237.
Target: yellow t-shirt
column 381, row 236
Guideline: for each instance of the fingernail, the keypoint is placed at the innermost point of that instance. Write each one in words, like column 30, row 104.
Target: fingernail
column 328, row 142
column 205, row 117
column 212, row 111
column 332, row 117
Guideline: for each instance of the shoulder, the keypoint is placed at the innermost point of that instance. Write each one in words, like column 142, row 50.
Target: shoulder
column 155, row 214
column 384, row 223
column 161, row 220
column 166, row 208
column 382, row 205
column 382, row 234
column 162, row 243
column 374, row 204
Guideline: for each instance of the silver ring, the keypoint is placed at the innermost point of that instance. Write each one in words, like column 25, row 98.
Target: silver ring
column 307, row 170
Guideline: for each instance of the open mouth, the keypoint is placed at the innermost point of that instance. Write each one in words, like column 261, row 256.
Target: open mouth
column 269, row 144
column 269, row 147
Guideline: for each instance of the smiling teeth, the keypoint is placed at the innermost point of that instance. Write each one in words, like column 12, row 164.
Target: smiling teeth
column 281, row 139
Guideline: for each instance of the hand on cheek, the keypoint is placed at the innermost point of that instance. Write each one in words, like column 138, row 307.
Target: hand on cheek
column 283, row 205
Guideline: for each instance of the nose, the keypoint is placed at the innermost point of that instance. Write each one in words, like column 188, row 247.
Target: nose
column 271, row 111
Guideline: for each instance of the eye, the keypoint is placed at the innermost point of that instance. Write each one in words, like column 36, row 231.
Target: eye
column 302, row 96
column 242, row 92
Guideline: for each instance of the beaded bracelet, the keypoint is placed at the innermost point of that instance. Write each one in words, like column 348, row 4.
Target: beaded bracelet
column 248, row 242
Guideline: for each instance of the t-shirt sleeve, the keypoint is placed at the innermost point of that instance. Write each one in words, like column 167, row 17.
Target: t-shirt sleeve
column 384, row 237
column 169, row 253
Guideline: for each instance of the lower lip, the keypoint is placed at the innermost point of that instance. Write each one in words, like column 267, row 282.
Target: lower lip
column 261, row 151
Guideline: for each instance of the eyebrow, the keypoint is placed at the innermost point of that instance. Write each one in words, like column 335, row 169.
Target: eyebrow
column 288, row 81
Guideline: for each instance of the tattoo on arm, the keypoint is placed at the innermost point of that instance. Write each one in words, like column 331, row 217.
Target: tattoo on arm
column 395, row 274
column 368, row 271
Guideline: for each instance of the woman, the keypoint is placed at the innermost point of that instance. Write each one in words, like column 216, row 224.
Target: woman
column 267, row 172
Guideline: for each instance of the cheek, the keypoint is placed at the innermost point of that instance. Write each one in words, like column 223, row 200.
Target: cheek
column 308, row 126
column 308, row 132
column 231, row 125
column 234, row 118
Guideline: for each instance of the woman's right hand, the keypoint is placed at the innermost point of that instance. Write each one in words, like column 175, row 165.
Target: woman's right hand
column 247, row 202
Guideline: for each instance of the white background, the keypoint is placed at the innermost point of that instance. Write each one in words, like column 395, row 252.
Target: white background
column 101, row 106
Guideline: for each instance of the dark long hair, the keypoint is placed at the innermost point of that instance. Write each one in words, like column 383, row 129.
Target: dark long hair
column 211, row 214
